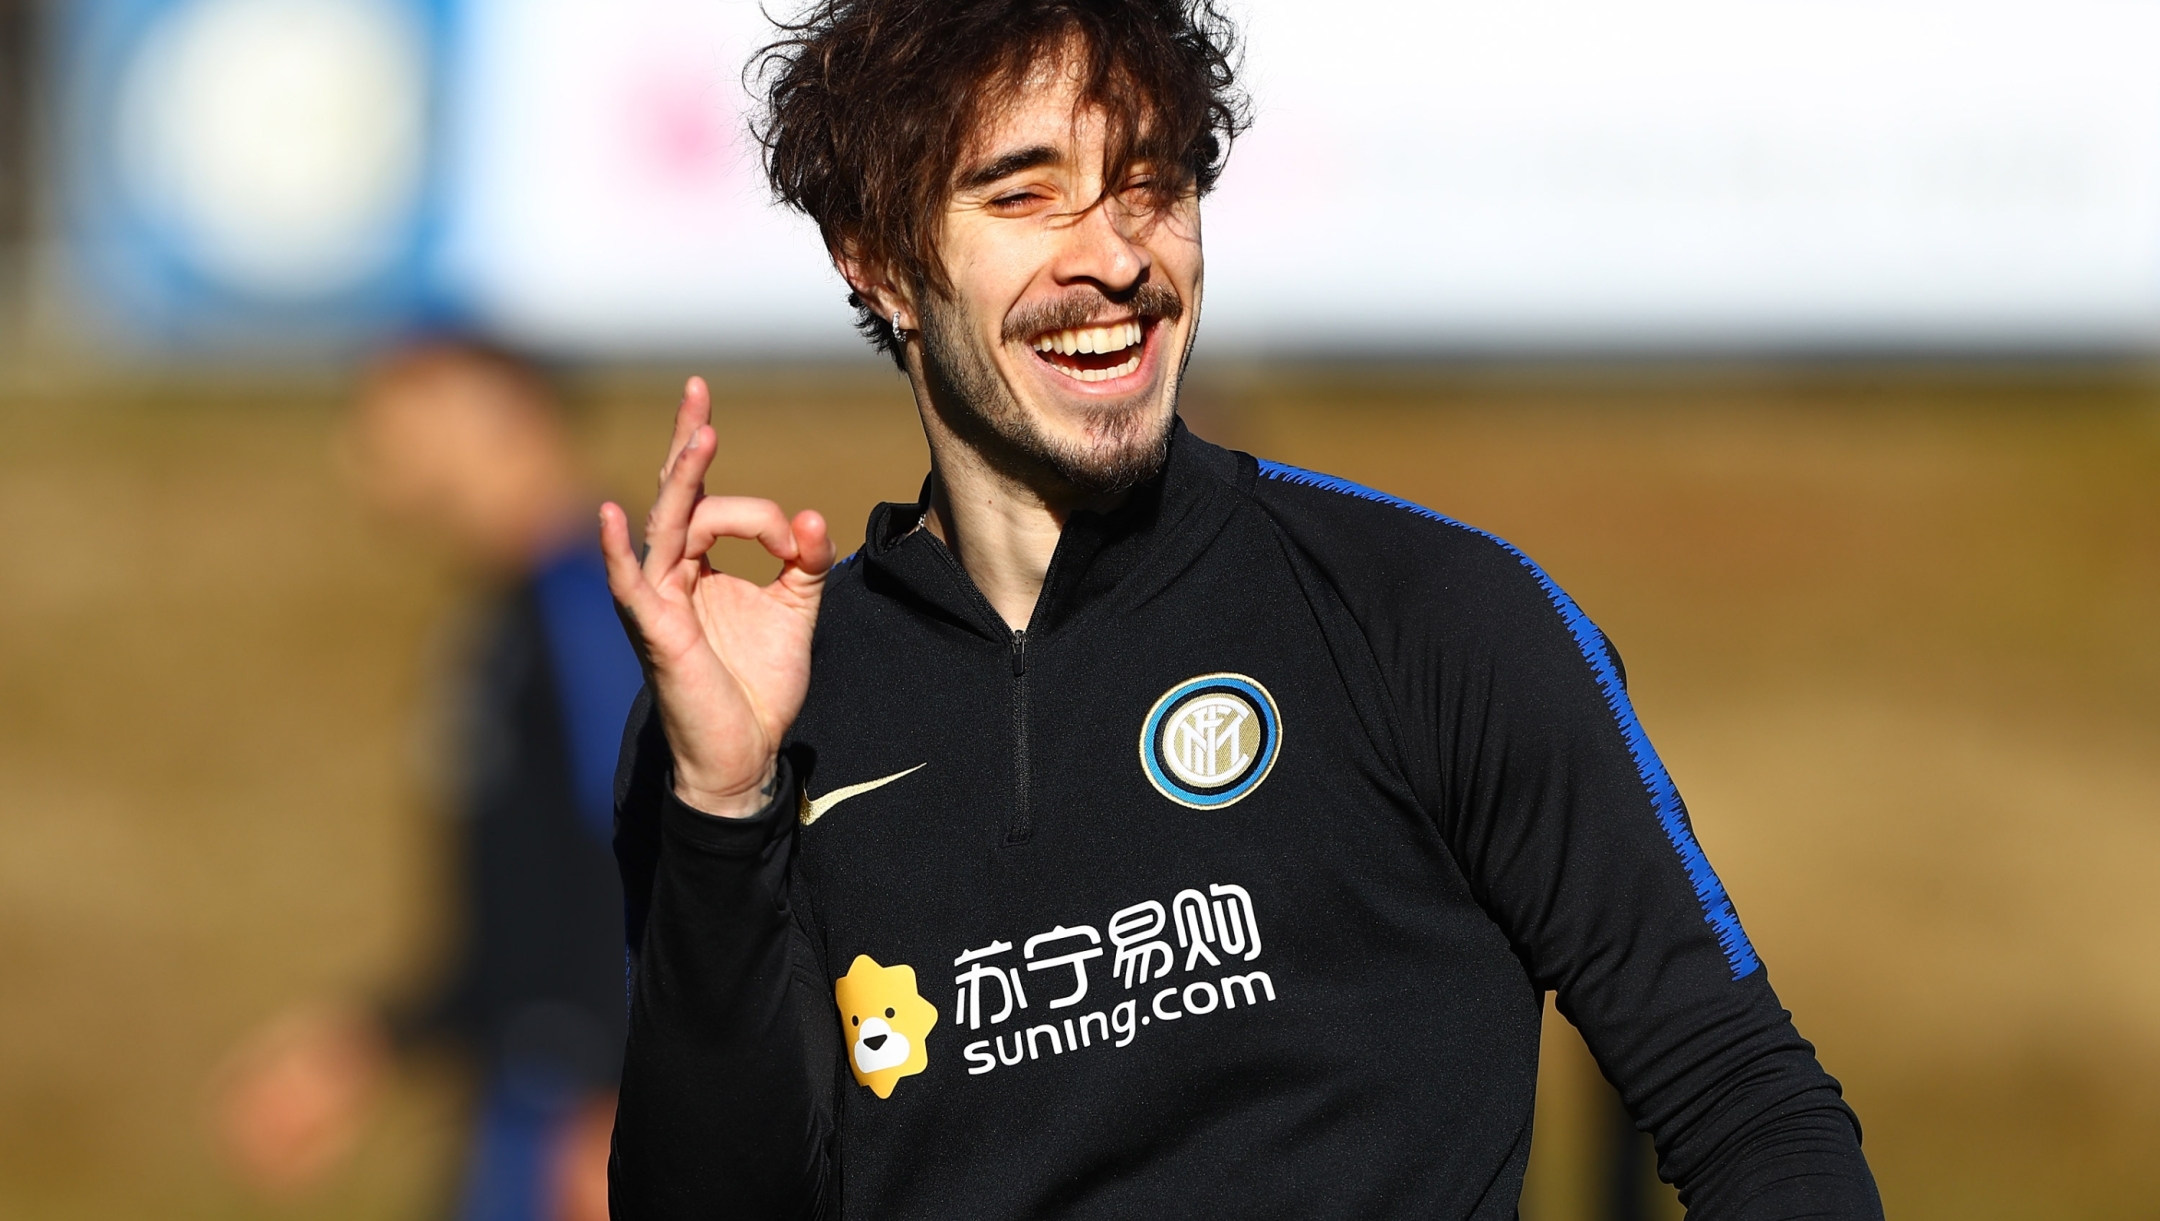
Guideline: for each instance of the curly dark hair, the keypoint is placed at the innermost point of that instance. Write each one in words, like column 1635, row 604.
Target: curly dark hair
column 870, row 105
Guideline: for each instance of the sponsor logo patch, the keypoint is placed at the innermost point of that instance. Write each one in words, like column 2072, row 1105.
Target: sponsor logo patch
column 885, row 1023
column 1210, row 740
column 1217, row 931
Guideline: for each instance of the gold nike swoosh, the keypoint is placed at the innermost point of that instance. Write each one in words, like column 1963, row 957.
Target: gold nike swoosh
column 812, row 810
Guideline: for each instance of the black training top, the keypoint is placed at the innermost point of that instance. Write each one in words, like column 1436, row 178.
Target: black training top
column 1228, row 888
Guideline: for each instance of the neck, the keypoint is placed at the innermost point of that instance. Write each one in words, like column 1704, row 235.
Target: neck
column 1004, row 531
column 1002, row 524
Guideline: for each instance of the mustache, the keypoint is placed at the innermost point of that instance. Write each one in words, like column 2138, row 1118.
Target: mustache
column 1150, row 302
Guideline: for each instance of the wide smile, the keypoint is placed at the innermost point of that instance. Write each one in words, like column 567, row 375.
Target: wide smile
column 1097, row 353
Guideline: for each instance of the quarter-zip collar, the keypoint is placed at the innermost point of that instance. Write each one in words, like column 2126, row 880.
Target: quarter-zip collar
column 1101, row 558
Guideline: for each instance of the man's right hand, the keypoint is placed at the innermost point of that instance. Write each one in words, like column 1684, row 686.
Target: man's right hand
column 729, row 661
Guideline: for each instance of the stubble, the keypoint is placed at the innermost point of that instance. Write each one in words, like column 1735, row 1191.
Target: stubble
column 1126, row 443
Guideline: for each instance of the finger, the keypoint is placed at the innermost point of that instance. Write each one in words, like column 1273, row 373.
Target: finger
column 671, row 510
column 694, row 409
column 718, row 517
column 625, row 579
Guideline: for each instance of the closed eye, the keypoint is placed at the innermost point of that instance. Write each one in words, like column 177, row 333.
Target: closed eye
column 1014, row 201
column 1141, row 195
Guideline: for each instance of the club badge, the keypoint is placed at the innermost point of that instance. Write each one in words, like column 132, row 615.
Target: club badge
column 1210, row 740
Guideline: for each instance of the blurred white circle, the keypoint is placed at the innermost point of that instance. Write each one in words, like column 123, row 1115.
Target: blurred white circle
column 284, row 139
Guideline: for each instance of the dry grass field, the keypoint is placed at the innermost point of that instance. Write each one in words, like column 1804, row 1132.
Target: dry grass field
column 1895, row 634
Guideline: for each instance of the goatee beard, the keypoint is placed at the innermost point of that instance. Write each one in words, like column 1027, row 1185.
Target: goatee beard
column 1127, row 443
column 1130, row 448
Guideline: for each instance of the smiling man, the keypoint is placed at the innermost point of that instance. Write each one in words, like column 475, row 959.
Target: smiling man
column 1132, row 827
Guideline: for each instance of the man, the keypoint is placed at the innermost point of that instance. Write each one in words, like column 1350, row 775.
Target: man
column 1145, row 829
column 469, row 446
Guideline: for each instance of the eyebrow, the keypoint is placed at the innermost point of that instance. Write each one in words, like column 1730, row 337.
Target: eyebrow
column 1007, row 165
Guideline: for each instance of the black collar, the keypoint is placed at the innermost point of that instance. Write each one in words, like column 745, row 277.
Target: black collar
column 1102, row 559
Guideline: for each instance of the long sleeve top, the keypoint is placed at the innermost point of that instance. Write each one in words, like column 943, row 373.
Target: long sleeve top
column 1229, row 887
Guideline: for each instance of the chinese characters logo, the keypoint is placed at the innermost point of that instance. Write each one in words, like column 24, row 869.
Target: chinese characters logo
column 1216, row 932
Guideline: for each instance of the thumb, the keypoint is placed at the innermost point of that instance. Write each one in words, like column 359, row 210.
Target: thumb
column 813, row 541
column 804, row 575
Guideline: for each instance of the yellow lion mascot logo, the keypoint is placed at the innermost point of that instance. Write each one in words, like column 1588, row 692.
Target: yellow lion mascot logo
column 884, row 1022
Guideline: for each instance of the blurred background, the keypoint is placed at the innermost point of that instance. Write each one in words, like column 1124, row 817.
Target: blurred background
column 1815, row 348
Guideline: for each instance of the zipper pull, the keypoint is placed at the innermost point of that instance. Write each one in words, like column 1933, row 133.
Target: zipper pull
column 1019, row 653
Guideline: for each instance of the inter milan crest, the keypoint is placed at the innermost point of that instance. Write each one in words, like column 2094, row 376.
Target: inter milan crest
column 1210, row 740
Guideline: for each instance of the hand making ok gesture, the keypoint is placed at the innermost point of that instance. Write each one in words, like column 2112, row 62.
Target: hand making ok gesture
column 729, row 661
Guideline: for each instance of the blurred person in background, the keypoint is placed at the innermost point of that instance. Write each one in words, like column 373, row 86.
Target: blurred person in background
column 468, row 448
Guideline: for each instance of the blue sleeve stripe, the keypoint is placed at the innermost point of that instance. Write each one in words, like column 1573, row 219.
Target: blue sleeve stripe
column 1710, row 893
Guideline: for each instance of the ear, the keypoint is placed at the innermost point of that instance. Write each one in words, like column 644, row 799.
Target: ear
column 875, row 285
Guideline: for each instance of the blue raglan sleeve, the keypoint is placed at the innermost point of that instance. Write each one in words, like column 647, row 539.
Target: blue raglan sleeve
column 1513, row 719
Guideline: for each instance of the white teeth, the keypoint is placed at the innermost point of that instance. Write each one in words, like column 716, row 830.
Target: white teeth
column 1075, row 340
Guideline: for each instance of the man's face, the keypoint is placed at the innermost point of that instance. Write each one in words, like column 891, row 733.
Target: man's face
column 465, row 458
column 1072, row 307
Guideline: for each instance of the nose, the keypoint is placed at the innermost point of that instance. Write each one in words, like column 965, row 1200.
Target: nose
column 1101, row 246
column 874, row 1041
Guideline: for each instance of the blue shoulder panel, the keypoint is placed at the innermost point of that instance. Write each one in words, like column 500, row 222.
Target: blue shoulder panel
column 1717, row 907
